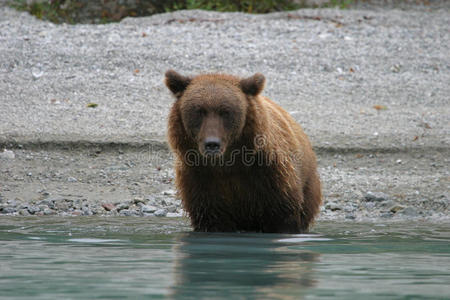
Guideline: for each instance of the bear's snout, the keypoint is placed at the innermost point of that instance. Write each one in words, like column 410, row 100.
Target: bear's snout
column 212, row 145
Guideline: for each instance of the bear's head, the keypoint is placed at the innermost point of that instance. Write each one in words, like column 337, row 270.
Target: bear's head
column 213, row 107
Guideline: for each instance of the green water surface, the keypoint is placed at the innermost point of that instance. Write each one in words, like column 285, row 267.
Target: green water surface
column 146, row 258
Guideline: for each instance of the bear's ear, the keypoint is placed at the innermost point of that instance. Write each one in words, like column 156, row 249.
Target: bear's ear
column 253, row 85
column 176, row 83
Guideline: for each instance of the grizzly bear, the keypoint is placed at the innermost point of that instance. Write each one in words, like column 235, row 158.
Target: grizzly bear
column 242, row 162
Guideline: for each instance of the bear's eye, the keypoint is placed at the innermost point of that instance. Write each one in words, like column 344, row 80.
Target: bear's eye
column 224, row 113
column 199, row 112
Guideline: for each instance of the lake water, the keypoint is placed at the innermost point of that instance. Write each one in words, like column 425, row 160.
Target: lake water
column 146, row 258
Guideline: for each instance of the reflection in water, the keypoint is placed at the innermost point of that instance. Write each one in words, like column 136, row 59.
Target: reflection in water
column 240, row 266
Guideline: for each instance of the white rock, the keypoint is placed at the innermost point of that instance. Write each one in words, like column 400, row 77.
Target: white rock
column 7, row 154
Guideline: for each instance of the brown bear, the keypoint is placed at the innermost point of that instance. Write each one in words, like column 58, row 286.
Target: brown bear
column 242, row 162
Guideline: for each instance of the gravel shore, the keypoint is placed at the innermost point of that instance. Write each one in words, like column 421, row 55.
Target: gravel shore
column 83, row 107
column 328, row 67
column 139, row 182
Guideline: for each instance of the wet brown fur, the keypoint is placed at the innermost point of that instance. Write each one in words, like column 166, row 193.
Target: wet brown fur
column 278, row 194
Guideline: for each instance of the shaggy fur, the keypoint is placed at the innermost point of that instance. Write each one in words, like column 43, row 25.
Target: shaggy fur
column 264, row 176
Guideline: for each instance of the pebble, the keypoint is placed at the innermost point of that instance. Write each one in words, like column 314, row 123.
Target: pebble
column 386, row 214
column 33, row 209
column 333, row 206
column 396, row 208
column 169, row 193
column 42, row 207
column 350, row 217
column 61, row 205
column 396, row 68
column 161, row 212
column 7, row 154
column 349, row 208
column 72, row 179
column 24, row 212
column 76, row 203
column 409, row 211
column 388, row 203
column 174, row 215
column 148, row 209
column 86, row 211
column 47, row 202
column 47, row 211
column 139, row 200
column 126, row 212
column 376, row 196
column 8, row 210
column 44, row 193
column 369, row 205
column 108, row 206
column 172, row 208
column 122, row 206
column 12, row 202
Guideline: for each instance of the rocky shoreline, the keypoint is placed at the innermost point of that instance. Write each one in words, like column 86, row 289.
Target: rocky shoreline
column 94, row 181
column 84, row 108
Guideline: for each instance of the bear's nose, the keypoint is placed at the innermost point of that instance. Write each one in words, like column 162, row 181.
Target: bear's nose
column 212, row 144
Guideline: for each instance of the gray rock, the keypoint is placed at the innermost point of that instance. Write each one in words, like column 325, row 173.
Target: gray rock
column 169, row 193
column 47, row 202
column 76, row 204
column 139, row 201
column 24, row 212
column 376, row 196
column 44, row 193
column 388, row 203
column 369, row 205
column 386, row 214
column 55, row 198
column 47, row 211
column 127, row 213
column 172, row 208
column 161, row 212
column 174, row 215
column 148, row 209
column 350, row 217
column 61, row 205
column 86, row 211
column 72, row 179
column 77, row 212
column 33, row 209
column 409, row 211
column 396, row 208
column 333, row 206
column 23, row 206
column 7, row 154
column 12, row 203
column 122, row 206
column 8, row 210
column 43, row 207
